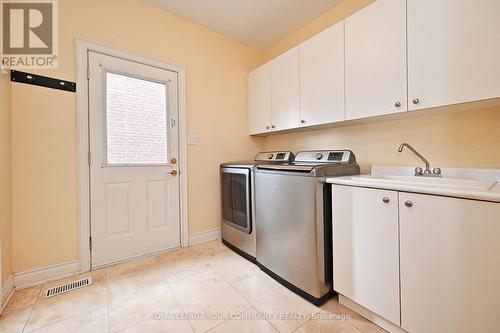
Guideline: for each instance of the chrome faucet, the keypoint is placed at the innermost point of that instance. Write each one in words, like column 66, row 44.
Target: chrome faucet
column 436, row 172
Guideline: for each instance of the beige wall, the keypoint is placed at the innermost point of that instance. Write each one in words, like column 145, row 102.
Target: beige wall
column 334, row 15
column 466, row 139
column 5, row 181
column 44, row 129
column 462, row 139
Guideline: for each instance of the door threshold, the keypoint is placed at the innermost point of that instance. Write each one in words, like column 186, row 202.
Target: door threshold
column 141, row 256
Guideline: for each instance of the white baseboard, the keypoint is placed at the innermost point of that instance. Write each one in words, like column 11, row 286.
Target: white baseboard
column 41, row 275
column 371, row 316
column 204, row 236
column 6, row 293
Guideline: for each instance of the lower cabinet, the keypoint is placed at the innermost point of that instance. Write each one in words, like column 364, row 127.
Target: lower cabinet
column 450, row 264
column 365, row 251
column 432, row 261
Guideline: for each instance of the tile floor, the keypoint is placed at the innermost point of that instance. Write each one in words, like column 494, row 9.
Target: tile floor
column 203, row 288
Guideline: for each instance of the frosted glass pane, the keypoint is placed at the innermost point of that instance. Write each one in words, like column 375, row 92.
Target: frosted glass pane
column 136, row 114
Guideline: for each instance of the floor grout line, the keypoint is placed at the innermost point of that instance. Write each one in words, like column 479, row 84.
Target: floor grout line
column 295, row 330
column 253, row 306
column 33, row 307
column 205, row 256
column 180, row 305
column 40, row 295
column 107, row 297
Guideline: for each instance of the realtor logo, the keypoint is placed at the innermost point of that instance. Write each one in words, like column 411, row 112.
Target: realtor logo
column 29, row 34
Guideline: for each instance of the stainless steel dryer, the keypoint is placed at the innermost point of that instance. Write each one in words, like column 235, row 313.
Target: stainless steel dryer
column 237, row 200
column 293, row 212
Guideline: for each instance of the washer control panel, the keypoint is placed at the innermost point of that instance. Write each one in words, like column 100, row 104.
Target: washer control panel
column 324, row 156
column 275, row 156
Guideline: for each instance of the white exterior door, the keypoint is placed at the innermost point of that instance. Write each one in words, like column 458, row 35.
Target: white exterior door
column 134, row 185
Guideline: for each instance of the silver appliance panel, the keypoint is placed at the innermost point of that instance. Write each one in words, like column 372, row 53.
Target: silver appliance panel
column 275, row 156
column 293, row 221
column 289, row 237
column 241, row 235
column 324, row 156
column 289, row 167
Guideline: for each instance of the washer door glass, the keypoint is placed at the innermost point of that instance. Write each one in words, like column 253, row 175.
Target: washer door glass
column 236, row 198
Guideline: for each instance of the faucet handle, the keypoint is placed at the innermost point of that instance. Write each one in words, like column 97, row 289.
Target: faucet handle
column 419, row 171
column 436, row 171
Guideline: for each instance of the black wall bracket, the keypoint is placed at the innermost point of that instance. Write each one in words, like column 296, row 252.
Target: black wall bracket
column 42, row 81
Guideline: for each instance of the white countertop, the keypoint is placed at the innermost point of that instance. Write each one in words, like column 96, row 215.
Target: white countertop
column 491, row 193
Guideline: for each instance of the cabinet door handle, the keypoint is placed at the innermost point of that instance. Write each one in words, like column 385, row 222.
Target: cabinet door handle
column 408, row 203
column 397, row 104
column 386, row 200
column 272, row 126
column 416, row 101
column 267, row 127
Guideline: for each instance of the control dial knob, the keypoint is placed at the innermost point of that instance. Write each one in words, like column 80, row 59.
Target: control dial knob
column 318, row 156
column 270, row 156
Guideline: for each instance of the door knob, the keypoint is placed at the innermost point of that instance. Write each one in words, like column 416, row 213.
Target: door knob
column 173, row 160
column 386, row 200
column 173, row 172
column 408, row 203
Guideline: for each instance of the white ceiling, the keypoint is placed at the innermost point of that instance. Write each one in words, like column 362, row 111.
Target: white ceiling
column 257, row 23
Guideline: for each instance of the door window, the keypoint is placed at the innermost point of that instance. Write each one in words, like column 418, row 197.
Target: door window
column 235, row 205
column 136, row 121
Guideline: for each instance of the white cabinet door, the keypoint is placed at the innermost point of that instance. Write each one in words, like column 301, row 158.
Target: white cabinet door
column 322, row 77
column 259, row 100
column 375, row 60
column 285, row 90
column 365, row 248
column 453, row 51
column 450, row 264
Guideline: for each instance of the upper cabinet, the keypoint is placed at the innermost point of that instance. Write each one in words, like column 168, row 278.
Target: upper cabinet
column 322, row 77
column 285, row 90
column 453, row 51
column 259, row 100
column 375, row 60
column 390, row 57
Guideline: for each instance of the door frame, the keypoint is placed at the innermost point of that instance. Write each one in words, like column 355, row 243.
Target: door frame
column 82, row 130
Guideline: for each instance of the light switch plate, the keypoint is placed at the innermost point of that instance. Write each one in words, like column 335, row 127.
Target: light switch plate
column 192, row 140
